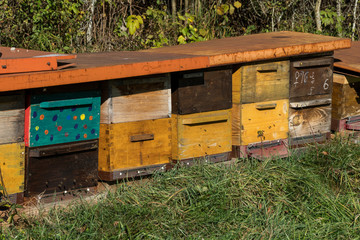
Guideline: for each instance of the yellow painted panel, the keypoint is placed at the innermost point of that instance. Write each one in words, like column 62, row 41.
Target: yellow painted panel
column 118, row 149
column 202, row 134
column 12, row 161
column 264, row 121
column 265, row 82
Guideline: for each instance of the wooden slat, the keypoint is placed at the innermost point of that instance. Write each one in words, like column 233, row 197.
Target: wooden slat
column 12, row 109
column 137, row 99
column 200, row 140
column 258, row 47
column 264, row 125
column 203, row 91
column 265, row 82
column 309, row 121
column 12, row 162
column 117, row 150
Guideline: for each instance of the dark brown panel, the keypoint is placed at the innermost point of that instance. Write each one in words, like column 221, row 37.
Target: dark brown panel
column 311, row 77
column 214, row 158
column 61, row 172
column 201, row 91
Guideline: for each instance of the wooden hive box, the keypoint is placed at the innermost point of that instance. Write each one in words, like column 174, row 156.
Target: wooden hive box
column 135, row 131
column 201, row 103
column 62, row 131
column 311, row 79
column 12, row 147
column 260, row 109
column 346, row 103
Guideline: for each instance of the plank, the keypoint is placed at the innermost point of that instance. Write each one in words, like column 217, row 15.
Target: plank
column 201, row 91
column 12, row 162
column 265, row 81
column 257, row 47
column 118, row 151
column 258, row 124
column 309, row 121
column 311, row 77
column 63, row 117
column 137, row 99
column 236, row 124
column 204, row 138
column 61, row 172
column 12, row 108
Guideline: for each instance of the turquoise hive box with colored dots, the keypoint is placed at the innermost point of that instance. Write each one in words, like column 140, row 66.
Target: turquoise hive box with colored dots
column 63, row 118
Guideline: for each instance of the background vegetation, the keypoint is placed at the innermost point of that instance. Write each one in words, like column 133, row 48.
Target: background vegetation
column 106, row 25
column 314, row 195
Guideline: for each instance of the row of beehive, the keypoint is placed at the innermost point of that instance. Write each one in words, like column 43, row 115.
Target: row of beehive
column 147, row 122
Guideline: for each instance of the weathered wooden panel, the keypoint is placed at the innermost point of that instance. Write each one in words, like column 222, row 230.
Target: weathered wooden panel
column 75, row 169
column 264, row 82
column 201, row 134
column 12, row 162
column 12, row 109
column 309, row 120
column 346, row 97
column 63, row 117
column 311, row 77
column 264, row 121
column 134, row 144
column 236, row 124
column 201, row 91
column 137, row 99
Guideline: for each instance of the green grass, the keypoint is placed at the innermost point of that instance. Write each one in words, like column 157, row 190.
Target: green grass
column 314, row 195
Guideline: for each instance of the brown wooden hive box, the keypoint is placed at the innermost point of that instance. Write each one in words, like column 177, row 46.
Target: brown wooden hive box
column 311, row 80
column 135, row 134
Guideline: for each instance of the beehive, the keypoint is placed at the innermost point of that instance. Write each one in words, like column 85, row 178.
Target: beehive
column 62, row 134
column 201, row 103
column 260, row 108
column 311, row 81
column 135, row 134
column 12, row 149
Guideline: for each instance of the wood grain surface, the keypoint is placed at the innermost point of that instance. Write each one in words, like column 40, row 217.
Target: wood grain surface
column 12, row 115
column 137, row 99
column 201, row 91
column 118, row 150
column 201, row 134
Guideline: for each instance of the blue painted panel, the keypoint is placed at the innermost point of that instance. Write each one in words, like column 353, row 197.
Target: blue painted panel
column 64, row 118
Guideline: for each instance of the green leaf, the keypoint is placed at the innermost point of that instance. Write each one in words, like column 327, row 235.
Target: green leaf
column 181, row 17
column 181, row 39
column 140, row 20
column 225, row 7
column 219, row 11
column 203, row 32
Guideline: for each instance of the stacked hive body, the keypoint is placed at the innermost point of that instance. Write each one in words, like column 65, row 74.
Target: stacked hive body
column 12, row 148
column 346, row 90
column 260, row 109
column 198, row 100
column 135, row 132
column 310, row 99
column 62, row 134
column 201, row 103
column 281, row 86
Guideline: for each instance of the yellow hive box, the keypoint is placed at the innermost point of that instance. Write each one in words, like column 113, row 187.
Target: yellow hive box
column 202, row 134
column 12, row 162
column 134, row 148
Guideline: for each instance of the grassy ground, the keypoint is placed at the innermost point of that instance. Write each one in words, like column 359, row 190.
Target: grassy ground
column 314, row 195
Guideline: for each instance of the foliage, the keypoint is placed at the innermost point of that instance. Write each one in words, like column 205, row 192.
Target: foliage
column 71, row 25
column 313, row 195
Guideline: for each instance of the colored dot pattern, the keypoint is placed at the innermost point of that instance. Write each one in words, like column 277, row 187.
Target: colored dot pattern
column 65, row 124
